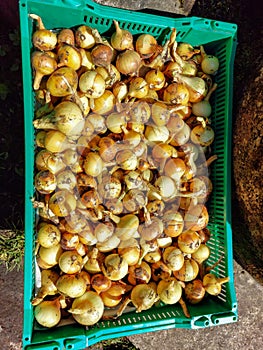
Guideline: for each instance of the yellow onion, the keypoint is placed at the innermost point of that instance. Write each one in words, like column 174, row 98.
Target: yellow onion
column 155, row 207
column 48, row 235
column 151, row 230
column 50, row 256
column 160, row 271
column 169, row 291
column 139, row 273
column 138, row 88
column 155, row 133
column 70, row 262
column 134, row 200
column 176, row 94
column 66, row 117
column 103, row 104
column 196, row 218
column 155, row 79
column 213, row 284
column 62, row 203
column 109, row 244
column 175, row 168
column 203, row 108
column 90, row 199
column 201, row 254
column 146, row 45
column 194, row 291
column 56, row 141
column 69, row 241
column 100, row 283
column 87, row 309
column 126, row 160
column 143, row 296
column 70, row 157
column 202, row 136
column 127, row 226
column 114, row 267
column 94, row 123
column 160, row 113
column 173, row 258
column 66, row 36
column 116, row 122
column 175, row 124
column 48, row 286
column 180, row 138
column 43, row 39
column 128, row 62
column 121, row 39
column 69, row 56
column 186, row 50
column 92, row 265
column 165, row 187
column 93, row 164
column 71, row 285
column 40, row 138
column 102, row 55
column 153, row 257
column 110, row 187
column 196, row 86
column 43, row 65
column 84, row 37
column 92, row 84
column 103, row 231
column 188, row 272
column 120, row 90
column 113, row 296
column 173, row 223
column 48, row 313
column 189, row 241
column 129, row 249
column 62, row 82
column 209, row 63
column 45, row 182
column 140, row 112
column 66, row 180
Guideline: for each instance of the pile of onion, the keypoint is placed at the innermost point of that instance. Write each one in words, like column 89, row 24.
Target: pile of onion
column 121, row 172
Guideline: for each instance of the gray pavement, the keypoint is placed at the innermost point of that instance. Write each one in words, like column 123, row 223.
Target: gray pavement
column 246, row 334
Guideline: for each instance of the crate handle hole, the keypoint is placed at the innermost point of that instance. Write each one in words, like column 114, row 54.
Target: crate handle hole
column 23, row 5
column 69, row 346
column 216, row 24
column 234, row 318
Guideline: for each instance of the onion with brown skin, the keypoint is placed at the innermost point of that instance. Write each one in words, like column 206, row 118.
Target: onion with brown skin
column 62, row 82
column 43, row 64
column 43, row 39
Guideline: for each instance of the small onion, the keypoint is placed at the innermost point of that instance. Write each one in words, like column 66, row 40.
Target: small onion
column 138, row 88
column 48, row 313
column 169, row 291
column 48, row 235
column 100, row 283
column 93, row 164
column 143, row 296
column 45, row 182
column 50, row 256
column 102, row 55
column 113, row 296
column 128, row 62
column 173, row 258
column 87, row 309
column 155, row 79
column 62, row 203
column 84, row 37
column 115, row 267
column 194, row 291
column 66, row 180
column 129, row 249
column 160, row 113
column 92, row 84
column 103, row 104
column 188, row 272
column 201, row 254
column 146, row 45
column 62, row 82
column 121, row 39
column 139, row 273
column 73, row 285
column 189, row 242
column 213, row 284
column 70, row 262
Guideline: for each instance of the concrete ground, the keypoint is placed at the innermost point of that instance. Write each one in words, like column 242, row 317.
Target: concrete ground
column 246, row 334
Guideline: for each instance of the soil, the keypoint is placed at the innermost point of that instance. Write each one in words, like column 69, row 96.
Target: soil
column 247, row 123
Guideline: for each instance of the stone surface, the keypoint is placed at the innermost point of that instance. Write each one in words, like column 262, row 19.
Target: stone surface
column 244, row 334
column 175, row 6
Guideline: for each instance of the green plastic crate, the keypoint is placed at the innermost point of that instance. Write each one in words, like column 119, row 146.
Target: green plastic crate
column 219, row 38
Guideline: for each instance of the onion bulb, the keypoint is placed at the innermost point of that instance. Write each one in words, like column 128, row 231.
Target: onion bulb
column 93, row 164
column 100, row 283
column 114, row 267
column 201, row 254
column 127, row 226
column 128, row 62
column 43, row 65
column 194, row 291
column 209, row 63
column 84, row 37
column 155, row 79
column 92, row 84
column 113, row 296
column 173, row 258
column 70, row 262
column 87, row 309
column 121, row 39
column 62, row 82
column 50, row 256
column 139, row 273
column 143, row 296
column 146, row 45
column 43, row 39
column 48, row 286
column 69, row 56
column 48, row 235
column 71, row 285
column 48, row 313
column 129, row 249
column 188, row 272
column 213, row 284
column 169, row 291
column 62, row 203
column 45, row 182
column 189, row 241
